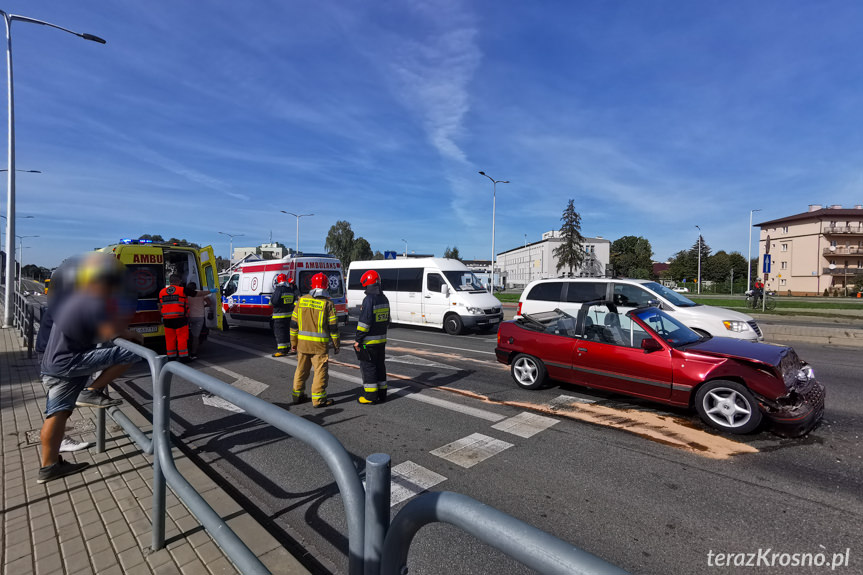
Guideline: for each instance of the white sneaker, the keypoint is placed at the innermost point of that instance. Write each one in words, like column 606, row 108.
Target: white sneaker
column 70, row 444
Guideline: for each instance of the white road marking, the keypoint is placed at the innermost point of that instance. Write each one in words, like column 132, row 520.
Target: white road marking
column 470, row 450
column 421, row 361
column 525, row 424
column 410, row 479
column 564, row 401
column 450, row 405
column 437, row 345
column 241, row 382
column 416, row 396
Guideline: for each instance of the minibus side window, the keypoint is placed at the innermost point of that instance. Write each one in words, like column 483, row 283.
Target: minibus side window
column 410, row 279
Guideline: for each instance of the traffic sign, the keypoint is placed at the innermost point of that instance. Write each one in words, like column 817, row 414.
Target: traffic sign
column 389, row 255
column 767, row 262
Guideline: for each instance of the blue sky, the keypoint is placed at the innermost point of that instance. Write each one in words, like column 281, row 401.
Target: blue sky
column 653, row 116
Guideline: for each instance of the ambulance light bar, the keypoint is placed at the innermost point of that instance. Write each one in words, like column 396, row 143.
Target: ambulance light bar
column 131, row 241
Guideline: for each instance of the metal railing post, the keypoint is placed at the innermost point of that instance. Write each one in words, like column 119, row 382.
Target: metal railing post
column 30, row 318
column 160, row 437
column 100, row 430
column 378, row 475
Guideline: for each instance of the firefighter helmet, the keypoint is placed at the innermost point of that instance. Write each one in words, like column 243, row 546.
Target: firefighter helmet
column 320, row 281
column 281, row 279
column 369, row 278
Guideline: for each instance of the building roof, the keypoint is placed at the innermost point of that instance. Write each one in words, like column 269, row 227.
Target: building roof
column 819, row 214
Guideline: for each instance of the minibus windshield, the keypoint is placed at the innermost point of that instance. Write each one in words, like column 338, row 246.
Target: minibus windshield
column 464, row 281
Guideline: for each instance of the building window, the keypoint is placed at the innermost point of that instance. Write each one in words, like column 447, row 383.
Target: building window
column 784, row 229
column 782, row 281
column 784, row 247
column 784, row 266
column 833, row 243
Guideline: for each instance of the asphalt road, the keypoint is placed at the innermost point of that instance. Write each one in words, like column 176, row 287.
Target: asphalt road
column 648, row 488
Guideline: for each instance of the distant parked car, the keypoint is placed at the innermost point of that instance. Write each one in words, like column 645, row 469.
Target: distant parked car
column 680, row 289
column 732, row 384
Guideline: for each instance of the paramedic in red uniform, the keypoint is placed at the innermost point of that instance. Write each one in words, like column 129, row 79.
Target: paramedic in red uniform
column 282, row 301
column 172, row 305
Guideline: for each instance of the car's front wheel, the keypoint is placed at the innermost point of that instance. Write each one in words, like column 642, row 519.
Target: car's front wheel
column 528, row 372
column 452, row 324
column 728, row 406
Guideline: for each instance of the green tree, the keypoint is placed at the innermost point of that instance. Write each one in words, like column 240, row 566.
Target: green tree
column 570, row 253
column 378, row 256
column 632, row 256
column 156, row 238
column 682, row 266
column 184, row 243
column 361, row 250
column 452, row 254
column 340, row 242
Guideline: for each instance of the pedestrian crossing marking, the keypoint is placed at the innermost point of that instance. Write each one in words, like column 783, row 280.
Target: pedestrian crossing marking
column 525, row 424
column 410, row 479
column 468, row 451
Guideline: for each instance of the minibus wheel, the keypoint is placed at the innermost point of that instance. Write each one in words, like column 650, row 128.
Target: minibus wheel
column 452, row 324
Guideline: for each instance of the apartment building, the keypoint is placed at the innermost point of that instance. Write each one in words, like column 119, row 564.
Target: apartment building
column 819, row 249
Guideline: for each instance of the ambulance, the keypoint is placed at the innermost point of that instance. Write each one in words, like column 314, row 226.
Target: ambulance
column 151, row 266
column 246, row 294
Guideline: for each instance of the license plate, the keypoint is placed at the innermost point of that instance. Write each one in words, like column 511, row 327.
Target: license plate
column 494, row 320
column 145, row 328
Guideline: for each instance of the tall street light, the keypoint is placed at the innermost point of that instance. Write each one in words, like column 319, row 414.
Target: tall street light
column 749, row 257
column 10, row 190
column 231, row 255
column 699, row 258
column 21, row 260
column 493, row 208
column 298, row 216
column 406, row 247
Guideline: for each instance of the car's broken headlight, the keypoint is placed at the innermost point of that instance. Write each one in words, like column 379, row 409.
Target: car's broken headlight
column 805, row 374
column 733, row 325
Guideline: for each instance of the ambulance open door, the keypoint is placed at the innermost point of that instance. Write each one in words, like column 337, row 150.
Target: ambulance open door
column 210, row 282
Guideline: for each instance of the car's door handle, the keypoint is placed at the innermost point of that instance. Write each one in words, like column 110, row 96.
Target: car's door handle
column 582, row 349
column 428, row 297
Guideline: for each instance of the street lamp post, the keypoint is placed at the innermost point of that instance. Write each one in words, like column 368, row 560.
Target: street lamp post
column 406, row 247
column 749, row 255
column 21, row 260
column 10, row 190
column 298, row 216
column 493, row 209
column 699, row 258
column 20, row 217
column 231, row 255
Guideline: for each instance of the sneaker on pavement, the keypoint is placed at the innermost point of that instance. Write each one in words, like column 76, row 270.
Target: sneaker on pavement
column 60, row 469
column 96, row 398
column 70, row 444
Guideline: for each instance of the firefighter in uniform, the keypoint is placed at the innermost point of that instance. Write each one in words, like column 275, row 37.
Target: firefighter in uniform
column 172, row 305
column 282, row 301
column 313, row 326
column 371, row 339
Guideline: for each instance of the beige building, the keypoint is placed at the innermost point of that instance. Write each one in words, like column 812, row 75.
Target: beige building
column 536, row 260
column 819, row 249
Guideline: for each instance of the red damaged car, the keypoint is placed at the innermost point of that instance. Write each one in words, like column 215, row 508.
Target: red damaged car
column 733, row 384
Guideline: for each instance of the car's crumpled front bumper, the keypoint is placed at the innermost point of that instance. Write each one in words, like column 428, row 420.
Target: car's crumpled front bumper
column 798, row 412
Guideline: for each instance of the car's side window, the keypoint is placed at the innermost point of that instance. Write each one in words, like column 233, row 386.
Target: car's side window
column 580, row 292
column 628, row 295
column 434, row 282
column 546, row 291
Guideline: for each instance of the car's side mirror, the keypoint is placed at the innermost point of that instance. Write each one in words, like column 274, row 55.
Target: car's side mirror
column 444, row 289
column 649, row 345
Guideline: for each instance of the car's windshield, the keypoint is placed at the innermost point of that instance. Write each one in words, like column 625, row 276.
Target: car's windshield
column 464, row 281
column 669, row 294
column 668, row 328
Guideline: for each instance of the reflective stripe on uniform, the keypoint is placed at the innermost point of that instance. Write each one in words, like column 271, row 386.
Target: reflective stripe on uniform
column 368, row 388
column 319, row 395
column 363, row 326
column 374, row 341
column 281, row 316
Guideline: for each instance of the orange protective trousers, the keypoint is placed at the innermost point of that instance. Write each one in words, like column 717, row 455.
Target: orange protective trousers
column 177, row 341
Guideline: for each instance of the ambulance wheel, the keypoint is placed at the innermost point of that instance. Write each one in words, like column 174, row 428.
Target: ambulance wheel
column 452, row 324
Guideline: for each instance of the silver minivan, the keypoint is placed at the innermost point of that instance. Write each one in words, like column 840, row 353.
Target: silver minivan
column 568, row 294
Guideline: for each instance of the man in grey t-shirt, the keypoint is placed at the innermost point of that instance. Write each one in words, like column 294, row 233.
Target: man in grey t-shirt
column 86, row 319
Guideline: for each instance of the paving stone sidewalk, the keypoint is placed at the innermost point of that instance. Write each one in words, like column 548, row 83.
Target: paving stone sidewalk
column 98, row 521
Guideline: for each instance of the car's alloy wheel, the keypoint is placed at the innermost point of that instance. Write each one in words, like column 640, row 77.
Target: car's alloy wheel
column 528, row 372
column 728, row 406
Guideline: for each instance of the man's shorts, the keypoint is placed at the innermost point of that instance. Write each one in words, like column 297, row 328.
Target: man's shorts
column 63, row 388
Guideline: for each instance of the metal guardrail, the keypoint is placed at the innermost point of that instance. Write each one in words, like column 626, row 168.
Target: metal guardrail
column 374, row 546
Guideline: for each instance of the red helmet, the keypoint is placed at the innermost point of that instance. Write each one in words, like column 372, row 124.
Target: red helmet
column 281, row 278
column 369, row 278
column 320, row 281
